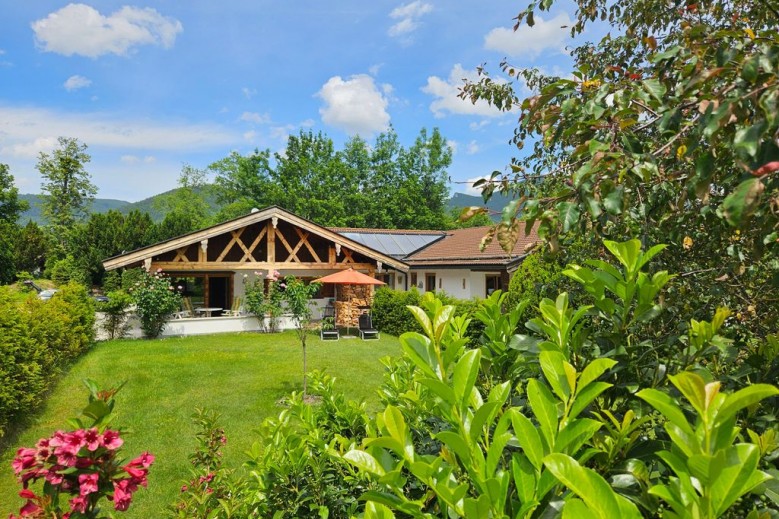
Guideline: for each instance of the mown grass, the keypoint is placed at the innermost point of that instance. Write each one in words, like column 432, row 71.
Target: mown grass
column 241, row 376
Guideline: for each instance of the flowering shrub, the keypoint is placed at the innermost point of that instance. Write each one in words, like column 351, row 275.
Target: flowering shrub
column 265, row 304
column 212, row 491
column 80, row 467
column 155, row 299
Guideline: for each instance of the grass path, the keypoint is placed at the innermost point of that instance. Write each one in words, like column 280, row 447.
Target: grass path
column 241, row 376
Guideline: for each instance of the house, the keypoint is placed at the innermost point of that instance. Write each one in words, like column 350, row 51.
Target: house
column 212, row 265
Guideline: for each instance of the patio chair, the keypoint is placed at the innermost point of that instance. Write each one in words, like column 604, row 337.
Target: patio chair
column 186, row 309
column 236, row 310
column 367, row 331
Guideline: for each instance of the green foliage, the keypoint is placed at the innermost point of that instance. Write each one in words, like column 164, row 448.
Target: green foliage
column 66, row 184
column 10, row 204
column 39, row 340
column 665, row 131
column 31, row 248
column 155, row 299
column 268, row 305
column 66, row 270
column 212, row 490
column 384, row 185
column 8, row 236
column 712, row 471
column 297, row 302
column 389, row 311
column 115, row 309
column 293, row 463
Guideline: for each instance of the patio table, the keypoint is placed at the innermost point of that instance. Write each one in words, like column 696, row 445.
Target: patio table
column 207, row 310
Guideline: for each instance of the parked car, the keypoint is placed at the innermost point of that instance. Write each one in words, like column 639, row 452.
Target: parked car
column 45, row 295
column 100, row 299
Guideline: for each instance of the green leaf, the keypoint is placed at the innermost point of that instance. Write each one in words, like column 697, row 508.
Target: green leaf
column 457, row 444
column 441, row 390
column 553, row 366
column 485, row 414
column 747, row 140
column 576, row 509
column 364, row 461
column 593, row 370
column 693, row 387
column 575, row 434
column 524, row 477
column 586, row 396
column 544, row 408
column 528, row 438
column 742, row 202
column 667, row 407
column 568, row 214
column 591, row 488
column 377, row 511
column 655, row 88
column 464, row 376
column 737, row 476
column 422, row 319
column 397, row 429
column 613, row 202
column 744, row 398
column 420, row 350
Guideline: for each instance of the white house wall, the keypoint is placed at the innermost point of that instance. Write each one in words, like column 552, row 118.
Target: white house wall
column 459, row 283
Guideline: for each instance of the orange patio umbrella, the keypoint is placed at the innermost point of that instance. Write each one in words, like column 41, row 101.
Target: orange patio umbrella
column 349, row 277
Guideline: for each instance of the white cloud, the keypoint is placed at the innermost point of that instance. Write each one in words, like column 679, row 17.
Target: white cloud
column 408, row 16
column 76, row 82
column 453, row 145
column 373, row 70
column 81, row 29
column 473, row 147
column 26, row 131
column 130, row 159
column 356, row 105
column 445, row 94
column 30, row 149
column 282, row 132
column 149, row 159
column 250, row 136
column 530, row 42
column 254, row 117
column 478, row 125
column 248, row 93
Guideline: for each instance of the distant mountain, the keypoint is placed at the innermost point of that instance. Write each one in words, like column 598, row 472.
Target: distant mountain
column 495, row 204
column 155, row 205
column 34, row 213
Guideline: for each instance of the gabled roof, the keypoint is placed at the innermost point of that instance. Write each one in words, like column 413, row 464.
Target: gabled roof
column 268, row 213
column 461, row 247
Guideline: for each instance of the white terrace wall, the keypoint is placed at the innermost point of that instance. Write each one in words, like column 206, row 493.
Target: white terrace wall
column 459, row 283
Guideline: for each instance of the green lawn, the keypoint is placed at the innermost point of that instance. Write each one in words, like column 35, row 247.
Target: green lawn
column 242, row 376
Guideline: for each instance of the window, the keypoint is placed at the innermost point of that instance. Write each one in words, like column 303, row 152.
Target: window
column 429, row 282
column 413, row 281
column 492, row 283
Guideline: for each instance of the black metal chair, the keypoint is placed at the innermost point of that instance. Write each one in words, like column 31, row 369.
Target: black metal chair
column 367, row 331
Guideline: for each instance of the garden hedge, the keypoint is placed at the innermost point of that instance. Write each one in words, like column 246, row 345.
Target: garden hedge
column 38, row 339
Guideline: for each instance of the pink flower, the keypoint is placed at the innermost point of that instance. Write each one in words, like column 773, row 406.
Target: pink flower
column 79, row 504
column 29, row 509
column 122, row 495
column 54, row 477
column 184, row 488
column 27, row 494
column 144, row 460
column 111, row 440
column 25, row 458
column 59, row 438
column 88, row 483
column 92, row 439
column 66, row 457
column 135, row 473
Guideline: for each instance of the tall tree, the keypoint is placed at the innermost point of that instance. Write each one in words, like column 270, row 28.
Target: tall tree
column 67, row 186
column 10, row 205
column 31, row 248
column 666, row 131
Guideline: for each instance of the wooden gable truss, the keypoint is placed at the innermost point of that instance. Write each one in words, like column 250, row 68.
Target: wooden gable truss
column 270, row 240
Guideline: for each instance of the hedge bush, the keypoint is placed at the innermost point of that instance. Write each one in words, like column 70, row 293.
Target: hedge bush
column 38, row 339
column 391, row 315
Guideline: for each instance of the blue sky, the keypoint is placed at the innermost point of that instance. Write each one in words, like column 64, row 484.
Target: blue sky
column 151, row 85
